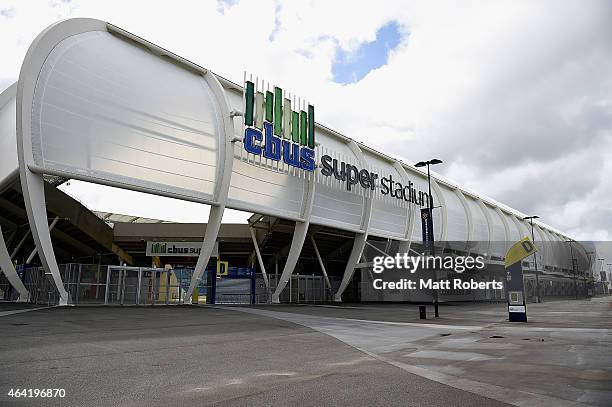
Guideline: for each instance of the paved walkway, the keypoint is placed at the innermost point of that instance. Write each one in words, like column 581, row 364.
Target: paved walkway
column 563, row 356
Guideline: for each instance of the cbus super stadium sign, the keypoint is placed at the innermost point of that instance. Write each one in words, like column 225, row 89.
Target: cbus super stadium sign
column 279, row 128
column 282, row 129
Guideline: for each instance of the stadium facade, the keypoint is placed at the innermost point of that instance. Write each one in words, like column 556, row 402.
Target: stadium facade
column 96, row 103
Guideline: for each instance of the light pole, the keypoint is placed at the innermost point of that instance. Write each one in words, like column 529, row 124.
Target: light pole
column 573, row 268
column 535, row 259
column 433, row 161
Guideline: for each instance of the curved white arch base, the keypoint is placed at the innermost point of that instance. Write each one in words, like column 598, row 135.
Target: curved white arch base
column 360, row 238
column 297, row 242
column 222, row 184
column 210, row 237
column 9, row 271
column 34, row 199
column 299, row 235
column 358, row 245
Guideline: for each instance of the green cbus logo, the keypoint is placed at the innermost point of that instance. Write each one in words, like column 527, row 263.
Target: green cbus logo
column 273, row 129
column 158, row 248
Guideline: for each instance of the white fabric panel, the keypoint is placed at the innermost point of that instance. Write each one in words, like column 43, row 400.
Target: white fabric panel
column 540, row 242
column 333, row 204
column 552, row 249
column 456, row 217
column 480, row 238
column 514, row 232
column 498, row 234
column 388, row 213
column 524, row 228
column 564, row 253
column 481, row 230
column 8, row 141
column 107, row 110
column 257, row 188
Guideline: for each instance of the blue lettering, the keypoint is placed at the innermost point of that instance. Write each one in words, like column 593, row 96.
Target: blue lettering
column 272, row 149
column 250, row 135
column 307, row 157
column 291, row 154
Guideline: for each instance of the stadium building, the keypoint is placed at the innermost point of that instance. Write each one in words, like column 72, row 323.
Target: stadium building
column 96, row 103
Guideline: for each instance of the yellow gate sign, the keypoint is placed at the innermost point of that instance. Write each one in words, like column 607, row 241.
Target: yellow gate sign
column 222, row 268
column 521, row 249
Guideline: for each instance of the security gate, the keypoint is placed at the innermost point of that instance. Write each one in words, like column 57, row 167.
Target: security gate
column 140, row 286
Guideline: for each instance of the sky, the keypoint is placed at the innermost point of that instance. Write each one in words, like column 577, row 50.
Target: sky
column 514, row 96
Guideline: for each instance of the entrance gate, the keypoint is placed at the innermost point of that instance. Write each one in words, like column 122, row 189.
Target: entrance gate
column 141, row 286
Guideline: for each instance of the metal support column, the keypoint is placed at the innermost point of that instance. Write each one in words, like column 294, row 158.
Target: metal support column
column 260, row 259
column 316, row 249
column 11, row 274
column 21, row 242
column 139, row 286
column 108, row 272
column 51, row 226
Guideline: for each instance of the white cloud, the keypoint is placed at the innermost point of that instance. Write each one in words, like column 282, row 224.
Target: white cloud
column 514, row 96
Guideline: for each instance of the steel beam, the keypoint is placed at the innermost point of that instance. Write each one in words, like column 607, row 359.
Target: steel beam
column 259, row 258
column 31, row 256
column 316, row 249
column 9, row 271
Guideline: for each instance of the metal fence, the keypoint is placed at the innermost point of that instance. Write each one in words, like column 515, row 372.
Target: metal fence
column 303, row 289
column 98, row 284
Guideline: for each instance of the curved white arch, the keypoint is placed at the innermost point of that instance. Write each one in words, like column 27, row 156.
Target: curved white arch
column 8, row 176
column 297, row 241
column 507, row 243
column 542, row 253
column 442, row 204
column 360, row 237
column 468, row 216
column 9, row 271
column 32, row 184
column 485, row 211
column 222, row 182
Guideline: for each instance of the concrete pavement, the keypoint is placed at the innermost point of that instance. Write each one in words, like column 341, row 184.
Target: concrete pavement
column 357, row 355
column 563, row 356
column 194, row 356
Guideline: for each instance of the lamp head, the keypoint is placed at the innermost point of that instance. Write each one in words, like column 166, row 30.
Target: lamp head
column 531, row 217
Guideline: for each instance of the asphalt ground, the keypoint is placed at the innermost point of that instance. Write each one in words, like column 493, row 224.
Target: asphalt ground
column 194, row 356
column 355, row 355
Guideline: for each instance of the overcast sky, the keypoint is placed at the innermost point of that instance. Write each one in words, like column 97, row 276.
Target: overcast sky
column 515, row 97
